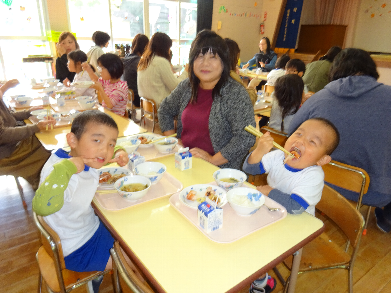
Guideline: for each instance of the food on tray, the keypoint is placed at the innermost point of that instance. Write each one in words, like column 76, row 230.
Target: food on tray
column 229, row 180
column 194, row 196
column 241, row 200
column 126, row 144
column 134, row 187
column 106, row 177
column 143, row 139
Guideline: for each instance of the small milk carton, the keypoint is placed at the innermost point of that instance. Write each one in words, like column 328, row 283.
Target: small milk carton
column 134, row 159
column 210, row 217
column 183, row 159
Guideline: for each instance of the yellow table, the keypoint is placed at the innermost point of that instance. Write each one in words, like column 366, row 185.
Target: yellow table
column 251, row 75
column 176, row 257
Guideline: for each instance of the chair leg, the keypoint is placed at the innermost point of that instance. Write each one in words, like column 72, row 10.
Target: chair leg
column 278, row 274
column 21, row 192
column 350, row 279
column 364, row 231
column 39, row 282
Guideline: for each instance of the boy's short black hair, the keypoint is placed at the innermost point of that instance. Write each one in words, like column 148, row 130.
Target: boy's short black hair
column 282, row 61
column 100, row 38
column 113, row 64
column 95, row 116
column 332, row 144
column 297, row 64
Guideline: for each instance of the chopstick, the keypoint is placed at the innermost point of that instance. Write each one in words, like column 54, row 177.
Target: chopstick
column 253, row 131
column 88, row 61
column 172, row 135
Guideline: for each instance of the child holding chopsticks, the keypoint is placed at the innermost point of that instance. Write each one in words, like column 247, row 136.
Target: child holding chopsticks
column 75, row 59
column 296, row 183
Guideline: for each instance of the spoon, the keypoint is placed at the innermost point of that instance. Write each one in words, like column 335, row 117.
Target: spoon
column 272, row 209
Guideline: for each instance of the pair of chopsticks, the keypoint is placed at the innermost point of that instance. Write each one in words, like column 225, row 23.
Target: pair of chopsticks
column 47, row 115
column 172, row 135
column 251, row 129
column 88, row 61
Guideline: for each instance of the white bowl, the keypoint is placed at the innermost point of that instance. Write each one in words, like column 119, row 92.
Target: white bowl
column 166, row 145
column 86, row 102
column 228, row 174
column 130, row 144
column 82, row 84
column 53, row 82
column 152, row 170
column 238, row 200
column 132, row 196
column 113, row 171
column 25, row 101
column 17, row 96
column 149, row 137
column 200, row 190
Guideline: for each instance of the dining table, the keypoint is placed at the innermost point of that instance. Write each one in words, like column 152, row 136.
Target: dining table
column 176, row 255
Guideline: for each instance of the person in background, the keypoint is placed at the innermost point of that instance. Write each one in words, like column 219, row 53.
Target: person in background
column 101, row 40
column 265, row 59
column 155, row 79
column 278, row 71
column 234, row 54
column 21, row 153
column 317, row 73
column 66, row 43
column 75, row 59
column 211, row 107
column 139, row 45
column 112, row 92
column 359, row 107
column 288, row 92
column 296, row 66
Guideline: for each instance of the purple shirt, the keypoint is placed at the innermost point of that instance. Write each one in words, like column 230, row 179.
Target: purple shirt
column 195, row 122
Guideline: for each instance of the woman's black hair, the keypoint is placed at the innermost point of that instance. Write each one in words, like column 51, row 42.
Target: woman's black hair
column 288, row 90
column 100, row 38
column 79, row 56
column 234, row 51
column 282, row 61
column 139, row 44
column 331, row 53
column 113, row 64
column 207, row 40
column 268, row 46
column 80, row 122
column 352, row 61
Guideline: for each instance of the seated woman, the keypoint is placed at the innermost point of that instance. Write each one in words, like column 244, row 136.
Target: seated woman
column 66, row 44
column 317, row 73
column 211, row 107
column 155, row 79
column 139, row 44
column 101, row 40
column 288, row 92
column 265, row 59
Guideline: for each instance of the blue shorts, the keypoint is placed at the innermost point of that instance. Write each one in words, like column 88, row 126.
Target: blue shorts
column 94, row 254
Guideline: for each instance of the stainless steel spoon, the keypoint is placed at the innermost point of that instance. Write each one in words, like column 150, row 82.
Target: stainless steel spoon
column 272, row 209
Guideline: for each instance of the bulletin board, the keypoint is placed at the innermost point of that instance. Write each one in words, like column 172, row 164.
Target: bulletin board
column 373, row 29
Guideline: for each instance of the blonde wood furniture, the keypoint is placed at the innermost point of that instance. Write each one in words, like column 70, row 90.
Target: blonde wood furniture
column 269, row 89
column 322, row 254
column 52, row 270
column 148, row 111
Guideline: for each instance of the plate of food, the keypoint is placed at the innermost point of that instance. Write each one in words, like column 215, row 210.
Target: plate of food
column 82, row 84
column 108, row 176
column 146, row 138
column 193, row 195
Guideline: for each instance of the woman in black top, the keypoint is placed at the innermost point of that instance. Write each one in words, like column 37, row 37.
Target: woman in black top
column 66, row 44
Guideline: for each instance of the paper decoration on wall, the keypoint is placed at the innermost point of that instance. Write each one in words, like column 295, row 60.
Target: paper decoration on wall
column 222, row 8
column 7, row 2
column 22, row 8
column 255, row 4
column 82, row 18
column 378, row 8
column 264, row 16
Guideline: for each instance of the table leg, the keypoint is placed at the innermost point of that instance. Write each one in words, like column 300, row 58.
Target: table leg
column 295, row 270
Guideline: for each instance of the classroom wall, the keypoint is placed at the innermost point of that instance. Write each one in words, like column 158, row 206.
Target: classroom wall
column 57, row 15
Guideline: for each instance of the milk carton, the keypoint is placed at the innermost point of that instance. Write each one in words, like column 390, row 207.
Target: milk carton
column 183, row 159
column 210, row 217
column 135, row 159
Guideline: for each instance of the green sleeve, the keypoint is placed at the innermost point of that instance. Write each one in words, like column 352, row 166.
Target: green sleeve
column 49, row 197
column 116, row 148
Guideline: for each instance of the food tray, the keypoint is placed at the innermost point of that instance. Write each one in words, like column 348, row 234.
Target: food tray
column 71, row 105
column 60, row 123
column 152, row 153
column 234, row 227
column 35, row 102
column 114, row 202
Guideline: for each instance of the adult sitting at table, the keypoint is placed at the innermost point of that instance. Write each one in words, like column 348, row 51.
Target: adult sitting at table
column 212, row 108
column 155, row 78
column 139, row 44
column 317, row 73
column 359, row 107
column 265, row 59
column 101, row 40
column 234, row 54
column 66, row 44
column 21, row 154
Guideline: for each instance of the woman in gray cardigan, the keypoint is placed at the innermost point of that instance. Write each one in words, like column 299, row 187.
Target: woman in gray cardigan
column 211, row 107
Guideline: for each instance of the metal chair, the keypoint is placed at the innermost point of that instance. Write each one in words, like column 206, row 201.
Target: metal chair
column 148, row 111
column 351, row 178
column 131, row 108
column 51, row 263
column 125, row 279
column 20, row 188
column 322, row 253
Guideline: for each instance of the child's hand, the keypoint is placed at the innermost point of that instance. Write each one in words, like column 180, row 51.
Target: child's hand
column 46, row 124
column 265, row 144
column 121, row 158
column 97, row 86
column 264, row 189
column 66, row 82
column 85, row 66
column 80, row 162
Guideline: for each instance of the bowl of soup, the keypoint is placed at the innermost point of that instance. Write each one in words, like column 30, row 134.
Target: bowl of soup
column 152, row 170
column 132, row 187
column 245, row 201
column 130, row 144
column 24, row 101
column 165, row 146
column 229, row 178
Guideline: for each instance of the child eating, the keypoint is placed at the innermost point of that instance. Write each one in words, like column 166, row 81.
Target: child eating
column 75, row 59
column 68, row 185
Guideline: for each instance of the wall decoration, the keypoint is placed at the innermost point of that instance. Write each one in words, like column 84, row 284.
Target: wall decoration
column 379, row 8
column 7, row 2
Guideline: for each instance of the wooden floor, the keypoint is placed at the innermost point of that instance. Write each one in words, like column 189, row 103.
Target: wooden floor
column 19, row 243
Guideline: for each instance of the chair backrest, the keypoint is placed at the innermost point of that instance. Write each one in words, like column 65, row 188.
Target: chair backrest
column 269, row 89
column 148, row 105
column 124, row 276
column 348, row 177
column 342, row 213
column 278, row 136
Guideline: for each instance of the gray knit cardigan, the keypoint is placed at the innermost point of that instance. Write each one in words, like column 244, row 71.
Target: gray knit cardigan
column 231, row 112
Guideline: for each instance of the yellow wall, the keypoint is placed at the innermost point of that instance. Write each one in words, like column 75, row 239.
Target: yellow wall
column 57, row 14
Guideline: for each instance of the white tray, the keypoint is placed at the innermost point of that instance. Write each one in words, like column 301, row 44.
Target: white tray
column 151, row 153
